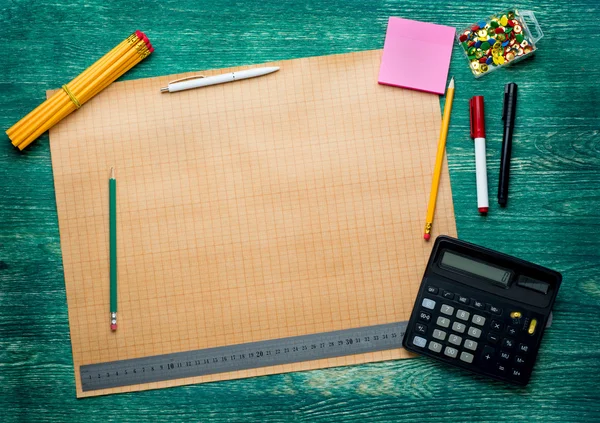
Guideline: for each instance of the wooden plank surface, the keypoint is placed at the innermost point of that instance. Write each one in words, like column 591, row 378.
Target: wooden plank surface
column 552, row 217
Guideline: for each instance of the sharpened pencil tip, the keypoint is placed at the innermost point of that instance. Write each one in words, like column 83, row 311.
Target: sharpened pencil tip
column 451, row 85
column 112, row 173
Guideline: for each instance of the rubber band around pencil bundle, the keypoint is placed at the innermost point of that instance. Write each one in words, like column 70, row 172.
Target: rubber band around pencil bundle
column 81, row 89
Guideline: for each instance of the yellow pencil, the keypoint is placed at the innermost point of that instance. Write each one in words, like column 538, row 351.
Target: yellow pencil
column 439, row 158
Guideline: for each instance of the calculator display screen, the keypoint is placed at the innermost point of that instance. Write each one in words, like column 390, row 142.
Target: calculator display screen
column 476, row 268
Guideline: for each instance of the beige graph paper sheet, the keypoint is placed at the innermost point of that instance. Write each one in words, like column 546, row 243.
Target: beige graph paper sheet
column 278, row 206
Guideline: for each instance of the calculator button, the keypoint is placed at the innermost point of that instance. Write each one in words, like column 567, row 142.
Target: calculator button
column 466, row 357
column 421, row 328
column 463, row 300
column 504, row 355
column 470, row 345
column 424, row 316
column 493, row 338
column 446, row 309
column 478, row 304
column 516, row 373
column 451, row 352
column 496, row 325
column 494, row 310
column 523, row 348
column 439, row 334
column 478, row 320
column 501, row 368
column 435, row 346
column 448, row 295
column 432, row 290
column 487, row 355
column 458, row 327
column 419, row 342
column 455, row 339
column 443, row 322
column 474, row 332
column 508, row 343
column 519, row 360
column 427, row 303
column 512, row 330
column 463, row 315
column 532, row 325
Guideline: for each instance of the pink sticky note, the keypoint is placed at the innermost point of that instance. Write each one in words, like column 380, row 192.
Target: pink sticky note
column 416, row 55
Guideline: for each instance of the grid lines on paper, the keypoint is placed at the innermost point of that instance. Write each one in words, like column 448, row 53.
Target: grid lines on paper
column 278, row 206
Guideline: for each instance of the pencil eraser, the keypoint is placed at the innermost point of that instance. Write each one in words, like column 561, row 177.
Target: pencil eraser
column 483, row 209
column 139, row 34
column 151, row 49
column 426, row 236
column 113, row 327
column 146, row 40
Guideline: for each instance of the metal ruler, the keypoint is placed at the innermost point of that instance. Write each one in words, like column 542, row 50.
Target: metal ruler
column 252, row 355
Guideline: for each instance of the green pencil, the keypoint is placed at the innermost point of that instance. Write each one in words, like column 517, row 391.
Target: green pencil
column 112, row 207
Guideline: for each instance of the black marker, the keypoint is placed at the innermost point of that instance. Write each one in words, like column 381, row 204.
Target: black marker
column 508, row 116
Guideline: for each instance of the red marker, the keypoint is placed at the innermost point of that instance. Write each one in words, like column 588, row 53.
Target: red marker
column 478, row 135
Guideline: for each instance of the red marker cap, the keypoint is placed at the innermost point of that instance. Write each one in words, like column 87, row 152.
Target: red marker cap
column 477, row 117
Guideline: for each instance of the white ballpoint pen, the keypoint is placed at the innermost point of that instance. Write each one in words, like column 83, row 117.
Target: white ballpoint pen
column 202, row 81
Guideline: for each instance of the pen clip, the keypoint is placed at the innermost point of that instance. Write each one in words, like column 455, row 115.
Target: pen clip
column 505, row 103
column 187, row 78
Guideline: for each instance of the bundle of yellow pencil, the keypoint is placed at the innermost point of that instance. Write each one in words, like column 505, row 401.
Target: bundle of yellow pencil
column 73, row 95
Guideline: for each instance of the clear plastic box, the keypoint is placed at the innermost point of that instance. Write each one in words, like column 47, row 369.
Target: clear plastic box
column 500, row 40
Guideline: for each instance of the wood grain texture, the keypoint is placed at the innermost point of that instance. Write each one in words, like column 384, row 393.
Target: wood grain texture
column 552, row 217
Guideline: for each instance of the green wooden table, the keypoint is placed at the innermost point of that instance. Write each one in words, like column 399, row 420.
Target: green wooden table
column 552, row 218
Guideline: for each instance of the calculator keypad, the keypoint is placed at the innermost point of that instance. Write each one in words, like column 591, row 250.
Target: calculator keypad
column 459, row 327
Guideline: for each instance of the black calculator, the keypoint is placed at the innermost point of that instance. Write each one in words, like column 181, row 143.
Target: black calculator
column 481, row 310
